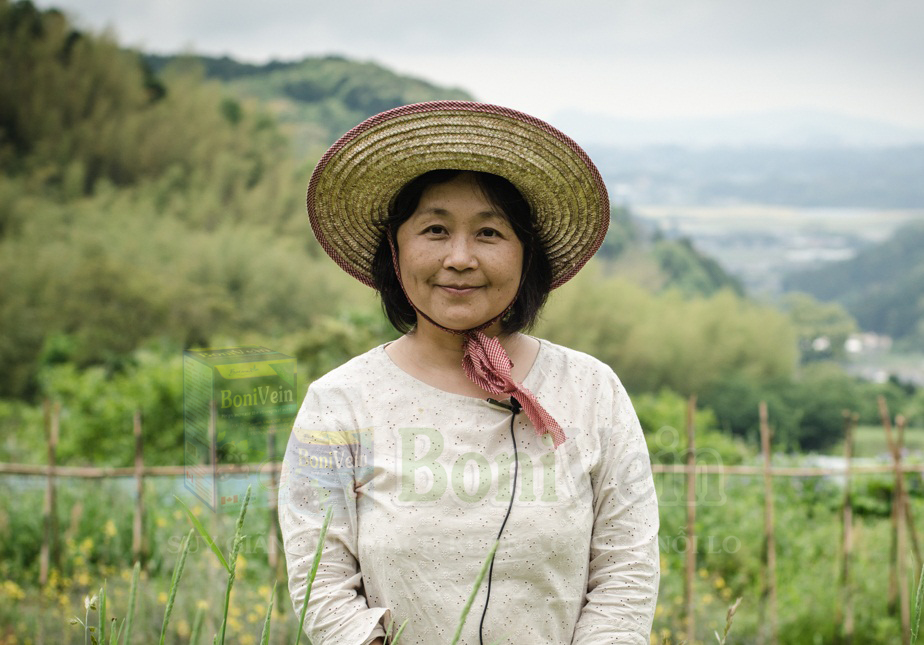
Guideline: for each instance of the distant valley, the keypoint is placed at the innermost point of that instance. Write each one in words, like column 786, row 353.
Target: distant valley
column 761, row 244
column 763, row 212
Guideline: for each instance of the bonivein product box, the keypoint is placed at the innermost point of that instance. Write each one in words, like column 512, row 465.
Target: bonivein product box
column 233, row 396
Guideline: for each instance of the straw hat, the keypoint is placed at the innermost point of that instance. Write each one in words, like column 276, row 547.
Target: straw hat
column 357, row 178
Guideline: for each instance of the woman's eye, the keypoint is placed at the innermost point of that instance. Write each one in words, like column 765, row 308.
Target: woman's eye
column 436, row 229
column 489, row 232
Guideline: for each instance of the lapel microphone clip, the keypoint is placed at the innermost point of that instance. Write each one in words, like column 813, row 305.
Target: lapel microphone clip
column 514, row 405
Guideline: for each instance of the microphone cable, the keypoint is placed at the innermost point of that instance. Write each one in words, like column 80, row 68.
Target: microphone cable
column 514, row 408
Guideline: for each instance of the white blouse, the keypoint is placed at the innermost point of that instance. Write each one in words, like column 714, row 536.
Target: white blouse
column 420, row 482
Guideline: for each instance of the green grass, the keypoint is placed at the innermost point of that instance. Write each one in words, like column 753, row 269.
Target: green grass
column 729, row 565
column 98, row 603
column 870, row 441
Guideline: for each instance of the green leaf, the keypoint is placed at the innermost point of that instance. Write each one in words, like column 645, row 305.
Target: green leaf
column 114, row 637
column 197, row 627
column 102, row 613
column 264, row 638
column 471, row 597
column 314, row 571
column 918, row 602
column 398, row 633
column 205, row 535
column 132, row 595
column 174, row 583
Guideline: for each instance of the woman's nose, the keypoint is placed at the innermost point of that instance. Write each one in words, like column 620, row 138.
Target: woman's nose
column 460, row 255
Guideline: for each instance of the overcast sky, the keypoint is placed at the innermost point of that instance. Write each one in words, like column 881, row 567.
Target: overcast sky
column 625, row 58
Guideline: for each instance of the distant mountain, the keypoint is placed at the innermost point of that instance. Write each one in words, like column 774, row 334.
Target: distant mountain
column 784, row 129
column 828, row 177
column 883, row 286
column 319, row 98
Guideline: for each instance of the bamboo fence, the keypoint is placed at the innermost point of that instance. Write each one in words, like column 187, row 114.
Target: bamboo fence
column 903, row 526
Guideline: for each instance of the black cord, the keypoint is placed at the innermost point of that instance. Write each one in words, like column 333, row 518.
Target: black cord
column 514, row 408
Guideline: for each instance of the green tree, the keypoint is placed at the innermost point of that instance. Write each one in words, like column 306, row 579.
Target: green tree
column 667, row 340
column 821, row 328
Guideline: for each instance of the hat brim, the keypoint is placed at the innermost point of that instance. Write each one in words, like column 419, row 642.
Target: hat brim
column 355, row 181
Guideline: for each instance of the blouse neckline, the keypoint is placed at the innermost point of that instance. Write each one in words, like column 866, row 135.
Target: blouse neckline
column 527, row 382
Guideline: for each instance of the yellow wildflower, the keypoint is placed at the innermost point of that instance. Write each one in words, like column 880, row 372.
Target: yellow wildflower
column 82, row 578
column 162, row 598
column 719, row 582
column 110, row 529
column 703, row 573
column 201, row 604
column 161, row 522
column 13, row 590
column 252, row 617
column 86, row 545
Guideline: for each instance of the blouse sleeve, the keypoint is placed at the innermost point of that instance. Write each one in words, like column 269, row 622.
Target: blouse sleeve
column 319, row 471
column 624, row 570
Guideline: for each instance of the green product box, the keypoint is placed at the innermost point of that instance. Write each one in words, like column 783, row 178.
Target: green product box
column 233, row 397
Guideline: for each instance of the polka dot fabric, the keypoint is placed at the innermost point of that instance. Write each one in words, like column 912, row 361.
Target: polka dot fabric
column 420, row 480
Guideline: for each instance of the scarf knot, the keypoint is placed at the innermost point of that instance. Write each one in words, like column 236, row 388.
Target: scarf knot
column 487, row 364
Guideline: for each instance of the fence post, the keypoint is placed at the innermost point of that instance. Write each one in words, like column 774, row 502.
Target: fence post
column 898, row 593
column 768, row 522
column 137, row 535
column 904, row 504
column 846, row 617
column 49, row 552
column 690, row 562
column 272, row 550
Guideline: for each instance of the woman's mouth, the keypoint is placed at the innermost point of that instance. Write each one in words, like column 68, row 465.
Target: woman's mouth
column 457, row 290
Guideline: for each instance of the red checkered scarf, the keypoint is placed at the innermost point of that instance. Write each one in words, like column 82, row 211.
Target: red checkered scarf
column 488, row 366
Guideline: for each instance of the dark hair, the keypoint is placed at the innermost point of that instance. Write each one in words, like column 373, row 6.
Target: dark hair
column 537, row 271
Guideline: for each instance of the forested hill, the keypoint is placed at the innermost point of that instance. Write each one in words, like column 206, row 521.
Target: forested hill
column 883, row 286
column 319, row 98
column 150, row 205
column 161, row 201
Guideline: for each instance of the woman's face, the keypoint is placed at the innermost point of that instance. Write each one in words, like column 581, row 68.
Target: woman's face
column 460, row 259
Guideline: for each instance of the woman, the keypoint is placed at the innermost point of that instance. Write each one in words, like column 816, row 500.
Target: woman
column 465, row 431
